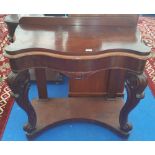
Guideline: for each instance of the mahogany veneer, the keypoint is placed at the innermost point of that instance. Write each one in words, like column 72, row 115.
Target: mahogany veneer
column 96, row 110
column 101, row 54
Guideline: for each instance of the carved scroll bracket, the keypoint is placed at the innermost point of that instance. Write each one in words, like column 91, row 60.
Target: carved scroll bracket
column 19, row 84
column 135, row 85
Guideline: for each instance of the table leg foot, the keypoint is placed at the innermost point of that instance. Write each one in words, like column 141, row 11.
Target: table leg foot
column 126, row 127
column 28, row 128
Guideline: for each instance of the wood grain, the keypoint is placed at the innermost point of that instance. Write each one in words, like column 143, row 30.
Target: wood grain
column 98, row 53
column 97, row 110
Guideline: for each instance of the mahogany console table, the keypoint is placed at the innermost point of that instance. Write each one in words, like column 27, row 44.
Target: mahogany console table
column 99, row 54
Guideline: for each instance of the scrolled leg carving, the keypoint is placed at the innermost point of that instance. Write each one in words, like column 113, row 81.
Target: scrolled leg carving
column 19, row 84
column 135, row 85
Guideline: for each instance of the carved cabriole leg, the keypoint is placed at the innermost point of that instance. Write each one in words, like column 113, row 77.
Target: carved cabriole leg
column 19, row 84
column 135, row 85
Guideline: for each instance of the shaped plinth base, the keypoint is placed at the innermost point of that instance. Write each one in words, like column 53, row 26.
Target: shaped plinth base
column 98, row 110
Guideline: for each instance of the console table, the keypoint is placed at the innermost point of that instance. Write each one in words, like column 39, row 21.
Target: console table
column 100, row 53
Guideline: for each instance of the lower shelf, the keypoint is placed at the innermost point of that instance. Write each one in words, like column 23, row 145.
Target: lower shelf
column 98, row 110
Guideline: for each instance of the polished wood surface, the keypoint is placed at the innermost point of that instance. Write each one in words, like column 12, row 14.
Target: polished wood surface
column 128, row 20
column 98, row 56
column 96, row 110
column 102, row 83
column 74, row 38
column 93, row 85
column 41, row 82
column 116, row 83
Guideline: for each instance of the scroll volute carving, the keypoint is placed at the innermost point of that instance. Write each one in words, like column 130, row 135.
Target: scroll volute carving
column 135, row 85
column 19, row 84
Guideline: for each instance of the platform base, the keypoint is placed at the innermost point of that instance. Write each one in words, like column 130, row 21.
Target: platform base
column 98, row 110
